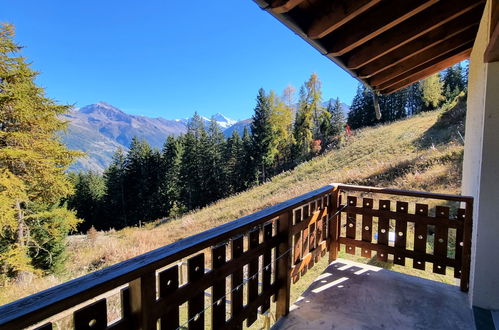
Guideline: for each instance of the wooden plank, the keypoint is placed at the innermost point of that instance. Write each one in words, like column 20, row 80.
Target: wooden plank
column 392, row 250
column 434, row 66
column 236, row 279
column 33, row 309
column 185, row 292
column 418, row 59
column 267, row 266
column 254, row 237
column 492, row 51
column 451, row 223
column 307, row 259
column 421, row 44
column 283, row 266
column 218, row 299
column 466, row 258
column 250, row 308
column 405, row 193
column 400, row 234
column 319, row 235
column 168, row 284
column 420, row 236
column 461, row 215
column 93, row 316
column 365, row 27
column 441, row 239
column 338, row 14
column 312, row 241
column 195, row 304
column 297, row 241
column 367, row 224
column 142, row 300
column 351, row 223
column 302, row 225
column 283, row 6
column 414, row 27
column 334, row 225
column 383, row 228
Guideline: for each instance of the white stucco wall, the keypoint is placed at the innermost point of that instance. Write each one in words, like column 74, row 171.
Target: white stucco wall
column 481, row 170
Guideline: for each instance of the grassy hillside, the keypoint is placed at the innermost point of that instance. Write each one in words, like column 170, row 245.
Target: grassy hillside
column 420, row 153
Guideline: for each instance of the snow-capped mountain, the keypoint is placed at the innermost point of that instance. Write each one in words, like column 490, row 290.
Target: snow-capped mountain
column 99, row 129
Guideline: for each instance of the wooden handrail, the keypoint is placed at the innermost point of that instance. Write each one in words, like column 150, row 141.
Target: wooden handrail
column 44, row 304
column 305, row 227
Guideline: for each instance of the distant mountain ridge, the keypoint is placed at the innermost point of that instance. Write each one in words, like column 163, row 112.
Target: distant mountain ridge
column 100, row 129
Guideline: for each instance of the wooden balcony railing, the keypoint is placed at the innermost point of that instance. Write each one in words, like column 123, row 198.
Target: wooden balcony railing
column 247, row 262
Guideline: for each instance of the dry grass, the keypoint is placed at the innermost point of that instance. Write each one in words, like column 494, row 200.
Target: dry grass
column 389, row 155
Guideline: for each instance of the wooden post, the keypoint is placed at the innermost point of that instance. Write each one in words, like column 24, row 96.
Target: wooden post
column 466, row 256
column 142, row 299
column 334, row 225
column 283, row 275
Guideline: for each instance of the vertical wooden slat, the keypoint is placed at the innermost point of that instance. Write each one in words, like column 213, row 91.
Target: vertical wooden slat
column 461, row 215
column 441, row 239
column 93, row 316
column 168, row 284
column 400, row 234
column 195, row 307
column 253, row 275
column 466, row 258
column 297, row 247
column 367, row 224
column 237, row 279
column 267, row 267
column 420, row 236
column 312, row 242
column 305, row 235
column 319, row 236
column 283, row 264
column 383, row 229
column 218, row 299
column 351, row 223
column 334, row 224
column 142, row 299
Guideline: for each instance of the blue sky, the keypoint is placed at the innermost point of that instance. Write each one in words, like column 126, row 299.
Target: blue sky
column 165, row 58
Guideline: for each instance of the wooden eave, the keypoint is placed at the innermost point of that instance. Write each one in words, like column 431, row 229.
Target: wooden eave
column 386, row 44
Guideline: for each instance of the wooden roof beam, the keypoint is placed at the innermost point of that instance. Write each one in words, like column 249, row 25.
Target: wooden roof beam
column 419, row 24
column 340, row 12
column 365, row 27
column 424, row 70
column 445, row 63
column 283, row 6
column 414, row 61
column 422, row 43
column 492, row 51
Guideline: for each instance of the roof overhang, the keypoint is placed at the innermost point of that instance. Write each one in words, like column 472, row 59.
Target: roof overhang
column 386, row 44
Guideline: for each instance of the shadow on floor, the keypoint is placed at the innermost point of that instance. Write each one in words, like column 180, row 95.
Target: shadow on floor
column 350, row 295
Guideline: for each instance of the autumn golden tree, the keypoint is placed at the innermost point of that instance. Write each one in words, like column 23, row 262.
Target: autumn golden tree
column 33, row 224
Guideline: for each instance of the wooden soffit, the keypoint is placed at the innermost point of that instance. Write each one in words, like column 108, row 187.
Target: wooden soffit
column 386, row 44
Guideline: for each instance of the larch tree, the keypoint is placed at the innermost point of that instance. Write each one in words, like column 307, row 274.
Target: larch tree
column 431, row 91
column 33, row 162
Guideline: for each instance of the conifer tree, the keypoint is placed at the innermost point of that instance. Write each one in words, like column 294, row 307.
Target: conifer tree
column 234, row 163
column 249, row 172
column 303, row 128
column 170, row 185
column 453, row 81
column 87, row 200
column 114, row 204
column 262, row 135
column 33, row 162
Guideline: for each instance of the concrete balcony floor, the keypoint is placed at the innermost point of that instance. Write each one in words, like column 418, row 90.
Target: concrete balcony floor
column 350, row 295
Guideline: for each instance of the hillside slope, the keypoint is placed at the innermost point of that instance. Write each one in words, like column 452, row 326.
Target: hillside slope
column 419, row 153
